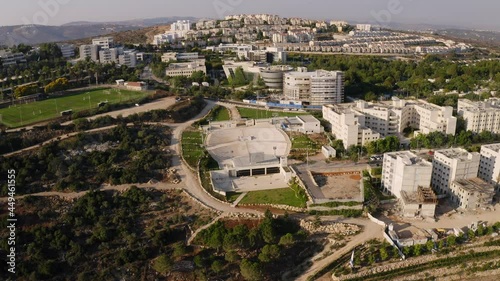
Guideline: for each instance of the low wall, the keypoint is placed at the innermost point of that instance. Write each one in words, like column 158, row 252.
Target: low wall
column 377, row 221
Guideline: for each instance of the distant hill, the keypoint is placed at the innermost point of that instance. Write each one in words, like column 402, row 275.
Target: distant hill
column 137, row 36
column 36, row 34
column 137, row 22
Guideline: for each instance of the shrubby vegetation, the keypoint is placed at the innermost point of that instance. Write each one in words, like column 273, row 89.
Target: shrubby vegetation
column 100, row 236
column 263, row 252
column 130, row 155
column 364, row 74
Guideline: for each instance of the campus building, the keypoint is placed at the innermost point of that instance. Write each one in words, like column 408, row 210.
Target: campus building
column 489, row 165
column 361, row 122
column 104, row 42
column 481, row 115
column 471, row 193
column 67, row 50
column 408, row 177
column 89, row 51
column 186, row 68
column 273, row 76
column 315, row 88
column 453, row 164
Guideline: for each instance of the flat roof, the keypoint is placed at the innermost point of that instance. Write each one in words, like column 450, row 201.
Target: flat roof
column 475, row 185
column 494, row 147
column 308, row 118
column 409, row 158
column 457, row 153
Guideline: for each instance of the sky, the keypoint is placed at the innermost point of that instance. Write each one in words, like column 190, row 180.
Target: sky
column 481, row 14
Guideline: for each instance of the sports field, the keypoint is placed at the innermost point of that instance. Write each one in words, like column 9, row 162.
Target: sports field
column 25, row 114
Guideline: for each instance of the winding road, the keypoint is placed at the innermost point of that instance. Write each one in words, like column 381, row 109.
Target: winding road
column 191, row 184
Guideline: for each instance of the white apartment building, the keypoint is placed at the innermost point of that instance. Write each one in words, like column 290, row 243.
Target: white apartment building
column 480, row 116
column 316, row 88
column 128, row 58
column 453, row 164
column 67, row 50
column 408, row 177
column 104, row 42
column 186, row 68
column 386, row 119
column 181, row 25
column 177, row 30
column 349, row 125
column 471, row 193
column 8, row 58
column 89, row 51
column 404, row 171
column 110, row 55
column 489, row 165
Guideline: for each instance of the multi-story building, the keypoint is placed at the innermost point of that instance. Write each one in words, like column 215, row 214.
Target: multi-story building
column 8, row 58
column 128, row 58
column 186, row 68
column 349, row 125
column 104, row 42
column 387, row 119
column 480, row 116
column 404, row 171
column 177, row 30
column 453, row 164
column 181, row 25
column 273, row 76
column 89, row 51
column 315, row 88
column 489, row 165
column 471, row 193
column 408, row 177
column 67, row 50
column 110, row 55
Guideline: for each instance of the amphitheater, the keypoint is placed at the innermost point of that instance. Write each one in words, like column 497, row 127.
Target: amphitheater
column 248, row 152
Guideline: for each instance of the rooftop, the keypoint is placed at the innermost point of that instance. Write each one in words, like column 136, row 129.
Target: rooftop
column 457, row 153
column 408, row 158
column 495, row 147
column 475, row 185
column 308, row 118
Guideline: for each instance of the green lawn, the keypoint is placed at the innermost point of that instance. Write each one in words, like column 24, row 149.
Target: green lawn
column 192, row 149
column 263, row 114
column 284, row 196
column 222, row 114
column 20, row 115
column 303, row 141
column 232, row 196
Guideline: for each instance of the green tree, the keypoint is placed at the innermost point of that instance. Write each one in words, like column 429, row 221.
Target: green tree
column 451, row 240
column 287, row 239
column 251, row 271
column 268, row 229
column 269, row 253
column 163, row 264
column 217, row 266
column 384, row 255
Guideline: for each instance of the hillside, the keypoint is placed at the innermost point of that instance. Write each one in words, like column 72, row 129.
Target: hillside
column 36, row 34
column 137, row 36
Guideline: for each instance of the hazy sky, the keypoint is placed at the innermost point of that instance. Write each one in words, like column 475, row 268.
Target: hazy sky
column 465, row 13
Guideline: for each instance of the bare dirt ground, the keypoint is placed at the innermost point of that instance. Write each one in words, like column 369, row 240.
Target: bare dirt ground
column 339, row 186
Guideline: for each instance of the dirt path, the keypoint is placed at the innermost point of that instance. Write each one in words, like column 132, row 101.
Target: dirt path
column 370, row 231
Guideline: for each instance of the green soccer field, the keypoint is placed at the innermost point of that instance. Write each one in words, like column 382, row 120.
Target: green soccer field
column 25, row 114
